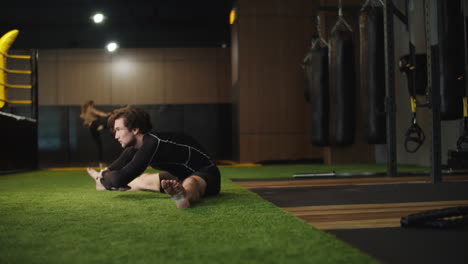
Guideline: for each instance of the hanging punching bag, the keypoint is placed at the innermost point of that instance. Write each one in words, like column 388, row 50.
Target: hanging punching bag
column 372, row 66
column 316, row 74
column 307, row 72
column 452, row 65
column 342, row 88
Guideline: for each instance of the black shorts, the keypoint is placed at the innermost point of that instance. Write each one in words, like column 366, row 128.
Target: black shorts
column 210, row 174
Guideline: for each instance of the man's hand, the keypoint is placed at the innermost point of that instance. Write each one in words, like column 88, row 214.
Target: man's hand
column 96, row 175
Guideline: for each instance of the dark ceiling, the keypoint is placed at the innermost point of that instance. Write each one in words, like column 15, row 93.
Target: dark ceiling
column 49, row 24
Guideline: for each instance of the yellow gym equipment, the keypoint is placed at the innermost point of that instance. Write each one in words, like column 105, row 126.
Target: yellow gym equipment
column 5, row 43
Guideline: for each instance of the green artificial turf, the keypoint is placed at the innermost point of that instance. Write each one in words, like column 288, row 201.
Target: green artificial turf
column 287, row 171
column 58, row 217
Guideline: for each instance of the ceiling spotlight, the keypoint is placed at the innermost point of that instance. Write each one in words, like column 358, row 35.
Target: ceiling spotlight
column 112, row 46
column 98, row 18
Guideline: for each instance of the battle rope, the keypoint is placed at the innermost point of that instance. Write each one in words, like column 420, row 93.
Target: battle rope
column 452, row 217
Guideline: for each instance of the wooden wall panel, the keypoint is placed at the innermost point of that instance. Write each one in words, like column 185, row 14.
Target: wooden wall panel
column 78, row 82
column 135, row 76
column 223, row 75
column 248, row 147
column 234, row 54
column 203, row 85
column 277, row 7
column 82, row 75
column 126, row 77
column 150, row 88
column 191, row 82
column 48, row 81
column 190, row 54
column 347, row 154
column 248, row 98
column 269, row 104
column 297, row 112
column 178, row 79
column 277, row 146
column 274, row 118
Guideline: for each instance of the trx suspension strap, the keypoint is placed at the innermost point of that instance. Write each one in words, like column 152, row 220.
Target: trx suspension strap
column 462, row 142
column 414, row 136
column 451, row 59
column 458, row 159
column 415, row 68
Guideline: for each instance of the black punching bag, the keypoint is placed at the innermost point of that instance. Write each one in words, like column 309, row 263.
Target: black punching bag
column 316, row 75
column 452, row 64
column 372, row 66
column 342, row 87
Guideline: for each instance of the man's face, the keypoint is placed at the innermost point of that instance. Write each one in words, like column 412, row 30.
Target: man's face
column 123, row 134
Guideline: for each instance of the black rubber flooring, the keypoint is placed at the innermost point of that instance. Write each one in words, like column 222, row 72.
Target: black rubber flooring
column 365, row 194
column 388, row 245
column 412, row 246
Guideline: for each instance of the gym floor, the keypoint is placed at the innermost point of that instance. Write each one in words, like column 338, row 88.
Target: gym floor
column 365, row 212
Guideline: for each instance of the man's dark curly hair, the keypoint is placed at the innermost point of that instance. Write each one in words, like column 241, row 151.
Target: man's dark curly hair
column 133, row 118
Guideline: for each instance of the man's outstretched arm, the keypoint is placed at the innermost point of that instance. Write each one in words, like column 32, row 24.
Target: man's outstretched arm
column 97, row 177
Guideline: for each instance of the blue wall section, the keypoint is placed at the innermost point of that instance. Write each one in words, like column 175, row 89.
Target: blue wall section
column 63, row 141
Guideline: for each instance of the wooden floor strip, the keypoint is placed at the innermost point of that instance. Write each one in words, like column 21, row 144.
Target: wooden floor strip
column 341, row 181
column 365, row 215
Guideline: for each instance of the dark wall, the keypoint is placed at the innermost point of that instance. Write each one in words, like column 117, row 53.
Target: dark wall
column 18, row 143
column 63, row 141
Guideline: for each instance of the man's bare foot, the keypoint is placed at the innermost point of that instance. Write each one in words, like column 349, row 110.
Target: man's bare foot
column 177, row 192
column 97, row 178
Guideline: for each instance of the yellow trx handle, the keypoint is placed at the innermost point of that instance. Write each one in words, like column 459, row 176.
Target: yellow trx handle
column 413, row 104
column 5, row 43
column 465, row 107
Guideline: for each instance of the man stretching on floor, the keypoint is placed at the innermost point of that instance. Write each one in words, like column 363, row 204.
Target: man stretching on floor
column 189, row 174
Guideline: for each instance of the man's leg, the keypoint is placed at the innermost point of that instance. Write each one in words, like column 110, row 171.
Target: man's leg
column 186, row 193
column 146, row 182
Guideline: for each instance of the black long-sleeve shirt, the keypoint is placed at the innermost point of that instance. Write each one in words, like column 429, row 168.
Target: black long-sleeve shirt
column 175, row 153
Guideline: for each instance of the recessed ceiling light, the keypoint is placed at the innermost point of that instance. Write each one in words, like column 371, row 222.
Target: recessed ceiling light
column 112, row 46
column 98, row 18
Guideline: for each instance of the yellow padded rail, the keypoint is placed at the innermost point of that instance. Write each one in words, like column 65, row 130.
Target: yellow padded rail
column 20, row 102
column 16, row 71
column 5, row 43
column 17, row 86
column 20, row 57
